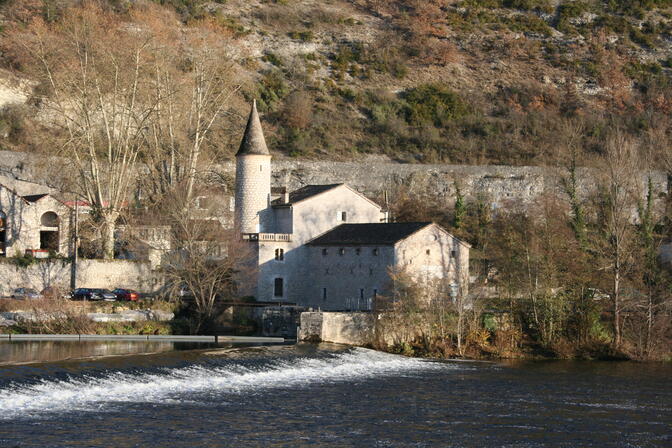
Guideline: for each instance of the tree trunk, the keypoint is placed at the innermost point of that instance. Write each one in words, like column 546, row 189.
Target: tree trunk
column 617, row 306
column 649, row 325
column 109, row 224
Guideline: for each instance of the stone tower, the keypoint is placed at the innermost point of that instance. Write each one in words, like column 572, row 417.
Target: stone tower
column 253, row 178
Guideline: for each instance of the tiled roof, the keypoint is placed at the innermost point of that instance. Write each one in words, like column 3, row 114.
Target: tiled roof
column 368, row 234
column 305, row 193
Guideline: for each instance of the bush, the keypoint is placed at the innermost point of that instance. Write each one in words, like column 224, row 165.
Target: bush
column 433, row 103
column 304, row 36
column 272, row 90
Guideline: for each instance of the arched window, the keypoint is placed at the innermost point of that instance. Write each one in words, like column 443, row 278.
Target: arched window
column 49, row 219
column 49, row 238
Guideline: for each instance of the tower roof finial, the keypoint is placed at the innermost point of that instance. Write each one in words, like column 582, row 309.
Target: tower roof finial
column 253, row 139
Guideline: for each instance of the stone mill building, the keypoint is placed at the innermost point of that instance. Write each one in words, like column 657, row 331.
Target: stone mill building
column 328, row 246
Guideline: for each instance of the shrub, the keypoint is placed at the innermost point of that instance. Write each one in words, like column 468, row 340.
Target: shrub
column 272, row 58
column 272, row 89
column 304, row 36
column 433, row 103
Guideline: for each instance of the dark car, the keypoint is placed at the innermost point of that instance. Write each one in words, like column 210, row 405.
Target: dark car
column 126, row 294
column 84, row 294
column 25, row 293
column 93, row 294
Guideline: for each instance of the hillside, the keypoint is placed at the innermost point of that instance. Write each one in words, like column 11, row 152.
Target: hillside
column 447, row 81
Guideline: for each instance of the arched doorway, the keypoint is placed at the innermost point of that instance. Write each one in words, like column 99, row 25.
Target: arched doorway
column 3, row 234
column 49, row 231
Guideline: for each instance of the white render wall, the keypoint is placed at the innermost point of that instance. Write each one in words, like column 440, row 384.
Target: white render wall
column 315, row 216
column 253, row 191
column 448, row 257
column 306, row 220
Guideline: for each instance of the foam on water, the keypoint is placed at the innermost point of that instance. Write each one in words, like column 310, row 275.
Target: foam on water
column 181, row 384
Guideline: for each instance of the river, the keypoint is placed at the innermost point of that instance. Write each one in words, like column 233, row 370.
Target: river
column 328, row 396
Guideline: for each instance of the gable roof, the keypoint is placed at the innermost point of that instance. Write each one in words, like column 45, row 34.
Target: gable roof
column 253, row 139
column 34, row 197
column 368, row 234
column 304, row 193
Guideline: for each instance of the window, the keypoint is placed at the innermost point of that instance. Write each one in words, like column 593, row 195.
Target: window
column 341, row 251
column 375, row 252
column 278, row 287
column 453, row 253
column 358, row 251
column 375, row 293
column 324, row 293
column 324, row 252
column 361, row 293
column 279, row 254
column 427, row 251
column 341, row 216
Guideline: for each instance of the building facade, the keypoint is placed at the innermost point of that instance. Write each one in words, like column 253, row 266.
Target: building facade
column 328, row 246
column 32, row 221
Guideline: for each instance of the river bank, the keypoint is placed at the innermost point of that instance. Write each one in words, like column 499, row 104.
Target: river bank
column 392, row 334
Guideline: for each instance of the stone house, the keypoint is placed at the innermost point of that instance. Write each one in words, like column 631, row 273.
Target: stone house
column 32, row 220
column 329, row 246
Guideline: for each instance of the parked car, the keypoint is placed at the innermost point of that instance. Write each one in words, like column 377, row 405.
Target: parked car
column 25, row 294
column 105, row 294
column 84, row 294
column 93, row 294
column 126, row 294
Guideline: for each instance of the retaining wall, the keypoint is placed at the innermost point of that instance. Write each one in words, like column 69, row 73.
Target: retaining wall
column 90, row 274
column 340, row 328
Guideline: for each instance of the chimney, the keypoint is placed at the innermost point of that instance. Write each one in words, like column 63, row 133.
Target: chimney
column 285, row 196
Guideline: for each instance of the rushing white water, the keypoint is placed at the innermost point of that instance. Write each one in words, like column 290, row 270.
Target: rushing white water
column 88, row 392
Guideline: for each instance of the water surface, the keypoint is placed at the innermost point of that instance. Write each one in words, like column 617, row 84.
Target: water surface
column 308, row 395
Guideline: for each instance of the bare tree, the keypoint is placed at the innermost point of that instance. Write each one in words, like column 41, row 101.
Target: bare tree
column 93, row 68
column 193, row 82
column 206, row 261
column 618, row 187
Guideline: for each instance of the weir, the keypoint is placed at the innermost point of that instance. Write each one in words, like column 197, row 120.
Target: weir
column 139, row 337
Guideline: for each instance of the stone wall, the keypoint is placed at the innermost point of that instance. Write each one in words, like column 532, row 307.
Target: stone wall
column 278, row 321
column 339, row 328
column 90, row 273
column 504, row 186
column 253, row 191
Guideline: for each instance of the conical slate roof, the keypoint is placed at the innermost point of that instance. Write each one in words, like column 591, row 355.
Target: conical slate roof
column 253, row 139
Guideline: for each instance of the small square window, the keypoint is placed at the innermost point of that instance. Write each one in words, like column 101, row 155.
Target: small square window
column 453, row 253
column 341, row 216
column 279, row 254
column 427, row 251
column 341, row 251
column 324, row 252
column 358, row 251
column 375, row 252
